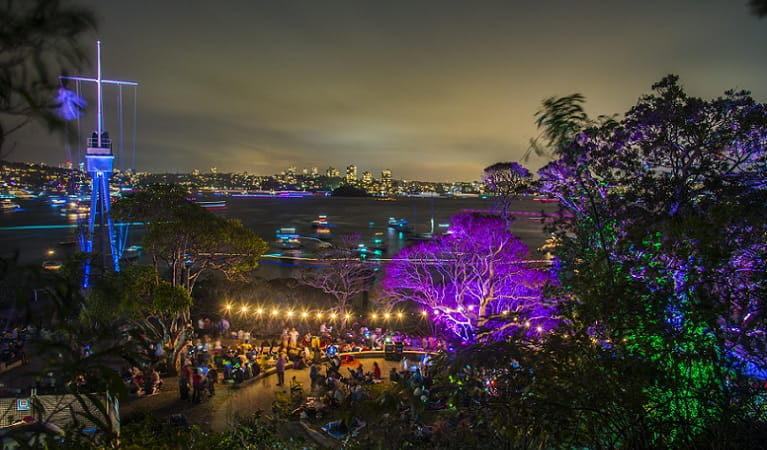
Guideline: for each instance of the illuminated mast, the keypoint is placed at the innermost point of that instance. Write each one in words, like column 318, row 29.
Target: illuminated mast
column 99, row 159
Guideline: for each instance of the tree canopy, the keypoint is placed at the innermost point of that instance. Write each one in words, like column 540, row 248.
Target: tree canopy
column 663, row 261
column 507, row 181
column 187, row 240
column 473, row 279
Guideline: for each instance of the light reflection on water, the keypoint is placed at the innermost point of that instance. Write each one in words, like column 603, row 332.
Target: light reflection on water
column 363, row 216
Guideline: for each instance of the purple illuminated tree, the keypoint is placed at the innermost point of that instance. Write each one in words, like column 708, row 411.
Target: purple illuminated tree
column 475, row 279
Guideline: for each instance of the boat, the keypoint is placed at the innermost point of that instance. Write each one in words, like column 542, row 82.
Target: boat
column 321, row 228
column 399, row 225
column 419, row 236
column 75, row 208
column 8, row 205
column 215, row 205
column 52, row 264
column 323, row 233
column 288, row 239
column 378, row 242
column 320, row 221
column 545, row 200
column 132, row 253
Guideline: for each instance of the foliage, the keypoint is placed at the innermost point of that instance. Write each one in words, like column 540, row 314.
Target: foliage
column 349, row 191
column 185, row 241
column 664, row 258
column 506, row 180
column 72, row 357
column 155, row 308
column 188, row 240
column 38, row 40
column 474, row 279
column 341, row 274
column 144, row 431
column 758, row 8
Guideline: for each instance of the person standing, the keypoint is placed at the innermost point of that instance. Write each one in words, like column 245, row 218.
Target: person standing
column 285, row 338
column 212, row 379
column 314, row 374
column 376, row 371
column 183, row 386
column 197, row 386
column 293, row 338
column 280, row 366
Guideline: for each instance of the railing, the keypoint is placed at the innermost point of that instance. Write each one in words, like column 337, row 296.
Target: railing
column 93, row 142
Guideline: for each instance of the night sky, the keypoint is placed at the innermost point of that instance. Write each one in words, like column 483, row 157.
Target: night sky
column 433, row 90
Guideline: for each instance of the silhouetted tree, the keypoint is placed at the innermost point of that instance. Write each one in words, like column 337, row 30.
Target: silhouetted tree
column 38, row 41
column 758, row 7
column 341, row 273
column 507, row 181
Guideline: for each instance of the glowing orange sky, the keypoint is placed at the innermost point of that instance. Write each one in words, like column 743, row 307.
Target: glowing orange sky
column 432, row 90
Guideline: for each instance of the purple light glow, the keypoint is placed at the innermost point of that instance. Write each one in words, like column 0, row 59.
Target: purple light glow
column 70, row 105
column 475, row 280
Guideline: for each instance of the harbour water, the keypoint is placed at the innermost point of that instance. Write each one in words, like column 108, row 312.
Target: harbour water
column 37, row 229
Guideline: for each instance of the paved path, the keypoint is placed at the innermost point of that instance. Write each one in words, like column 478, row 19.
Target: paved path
column 217, row 413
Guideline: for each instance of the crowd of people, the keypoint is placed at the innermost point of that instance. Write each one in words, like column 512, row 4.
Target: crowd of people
column 141, row 382
column 12, row 347
column 220, row 355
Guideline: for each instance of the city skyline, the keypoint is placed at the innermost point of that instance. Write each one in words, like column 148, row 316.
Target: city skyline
column 433, row 91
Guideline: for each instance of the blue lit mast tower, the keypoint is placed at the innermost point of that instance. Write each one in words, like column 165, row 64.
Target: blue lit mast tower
column 99, row 159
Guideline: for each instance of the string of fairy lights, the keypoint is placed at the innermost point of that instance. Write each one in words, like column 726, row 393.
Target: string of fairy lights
column 291, row 314
column 247, row 311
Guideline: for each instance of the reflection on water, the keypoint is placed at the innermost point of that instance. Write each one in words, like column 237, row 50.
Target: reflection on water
column 364, row 216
